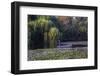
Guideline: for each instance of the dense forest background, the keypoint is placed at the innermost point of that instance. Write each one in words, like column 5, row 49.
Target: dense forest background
column 46, row 31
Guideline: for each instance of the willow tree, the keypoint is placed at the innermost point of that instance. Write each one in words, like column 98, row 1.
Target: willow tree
column 53, row 37
column 41, row 23
column 47, row 28
column 31, row 32
column 44, row 26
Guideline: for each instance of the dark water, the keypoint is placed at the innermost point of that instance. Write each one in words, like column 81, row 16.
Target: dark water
column 73, row 44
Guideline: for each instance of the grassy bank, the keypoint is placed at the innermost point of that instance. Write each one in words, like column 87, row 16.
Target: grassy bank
column 55, row 54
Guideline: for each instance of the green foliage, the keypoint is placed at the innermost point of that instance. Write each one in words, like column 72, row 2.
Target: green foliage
column 53, row 37
column 75, row 30
column 53, row 33
column 52, row 28
column 46, row 27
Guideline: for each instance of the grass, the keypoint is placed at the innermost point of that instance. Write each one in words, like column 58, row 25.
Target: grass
column 55, row 54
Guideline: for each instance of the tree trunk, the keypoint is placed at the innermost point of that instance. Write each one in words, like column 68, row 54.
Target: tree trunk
column 45, row 40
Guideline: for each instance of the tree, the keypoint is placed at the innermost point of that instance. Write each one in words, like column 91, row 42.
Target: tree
column 40, row 27
column 53, row 37
column 44, row 31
